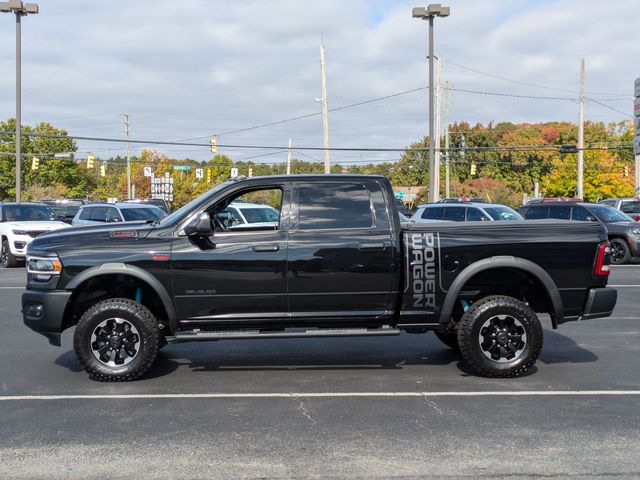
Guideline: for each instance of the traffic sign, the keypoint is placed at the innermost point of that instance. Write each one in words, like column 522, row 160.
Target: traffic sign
column 234, row 172
column 199, row 172
column 182, row 167
column 148, row 172
column 399, row 195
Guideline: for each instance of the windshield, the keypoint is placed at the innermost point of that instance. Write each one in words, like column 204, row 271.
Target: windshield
column 148, row 213
column 503, row 213
column 184, row 210
column 260, row 214
column 608, row 214
column 28, row 213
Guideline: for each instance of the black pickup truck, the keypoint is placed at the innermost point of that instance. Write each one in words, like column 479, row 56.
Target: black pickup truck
column 315, row 256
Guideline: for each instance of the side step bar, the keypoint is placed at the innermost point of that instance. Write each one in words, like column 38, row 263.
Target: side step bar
column 196, row 334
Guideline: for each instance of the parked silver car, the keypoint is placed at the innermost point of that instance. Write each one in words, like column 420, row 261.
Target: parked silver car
column 464, row 212
column 97, row 213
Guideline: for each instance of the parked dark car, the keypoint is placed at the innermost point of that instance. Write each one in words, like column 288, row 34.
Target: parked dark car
column 338, row 262
column 464, row 212
column 157, row 202
column 65, row 208
column 624, row 234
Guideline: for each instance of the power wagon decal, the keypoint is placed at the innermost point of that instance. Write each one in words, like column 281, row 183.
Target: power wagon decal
column 422, row 253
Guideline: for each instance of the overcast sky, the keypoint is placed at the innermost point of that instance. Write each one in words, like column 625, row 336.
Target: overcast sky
column 191, row 68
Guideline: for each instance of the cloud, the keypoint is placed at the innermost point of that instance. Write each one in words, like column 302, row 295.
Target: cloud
column 193, row 68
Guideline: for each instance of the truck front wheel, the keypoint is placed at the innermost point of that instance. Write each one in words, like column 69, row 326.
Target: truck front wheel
column 116, row 340
column 500, row 336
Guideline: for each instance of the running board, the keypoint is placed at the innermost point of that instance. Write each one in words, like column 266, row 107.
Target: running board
column 196, row 334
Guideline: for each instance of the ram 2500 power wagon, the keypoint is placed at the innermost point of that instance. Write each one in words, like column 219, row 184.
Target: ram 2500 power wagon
column 337, row 262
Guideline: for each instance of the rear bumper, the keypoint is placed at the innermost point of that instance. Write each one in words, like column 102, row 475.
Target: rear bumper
column 600, row 302
column 43, row 312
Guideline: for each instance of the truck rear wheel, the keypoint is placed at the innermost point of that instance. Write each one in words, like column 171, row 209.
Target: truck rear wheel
column 500, row 336
column 116, row 340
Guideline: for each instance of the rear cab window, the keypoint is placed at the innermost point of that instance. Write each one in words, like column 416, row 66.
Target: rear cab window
column 326, row 206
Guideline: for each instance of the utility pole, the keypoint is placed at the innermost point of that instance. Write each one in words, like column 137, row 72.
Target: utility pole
column 289, row 159
column 325, row 112
column 20, row 10
column 438, row 128
column 126, row 134
column 446, row 140
column 581, row 134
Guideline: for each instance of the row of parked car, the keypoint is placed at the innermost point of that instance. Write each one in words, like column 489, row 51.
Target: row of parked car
column 620, row 216
column 22, row 222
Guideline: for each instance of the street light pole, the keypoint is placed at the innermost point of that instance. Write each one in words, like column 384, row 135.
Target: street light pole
column 20, row 9
column 429, row 13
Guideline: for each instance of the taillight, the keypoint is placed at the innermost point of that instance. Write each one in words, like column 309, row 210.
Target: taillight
column 602, row 260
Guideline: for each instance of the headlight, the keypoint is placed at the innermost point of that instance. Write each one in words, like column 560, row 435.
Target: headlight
column 636, row 231
column 42, row 268
column 20, row 232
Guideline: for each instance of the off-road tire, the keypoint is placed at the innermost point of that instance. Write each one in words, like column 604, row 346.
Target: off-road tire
column 449, row 338
column 133, row 313
column 480, row 318
column 7, row 259
column 620, row 253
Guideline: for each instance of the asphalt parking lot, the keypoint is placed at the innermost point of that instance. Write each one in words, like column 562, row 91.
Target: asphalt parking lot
column 353, row 407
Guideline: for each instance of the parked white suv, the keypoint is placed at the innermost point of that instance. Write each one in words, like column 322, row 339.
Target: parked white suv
column 19, row 224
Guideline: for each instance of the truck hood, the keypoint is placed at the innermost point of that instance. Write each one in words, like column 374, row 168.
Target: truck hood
column 87, row 235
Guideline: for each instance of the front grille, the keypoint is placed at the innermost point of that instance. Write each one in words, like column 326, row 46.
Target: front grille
column 35, row 233
column 19, row 245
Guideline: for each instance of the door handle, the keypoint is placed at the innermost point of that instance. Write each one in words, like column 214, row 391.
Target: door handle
column 371, row 246
column 266, row 248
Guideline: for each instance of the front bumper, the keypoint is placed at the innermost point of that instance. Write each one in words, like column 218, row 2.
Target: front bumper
column 43, row 312
column 600, row 302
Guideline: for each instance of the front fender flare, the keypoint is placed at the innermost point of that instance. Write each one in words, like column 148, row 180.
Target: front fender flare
column 133, row 271
column 515, row 263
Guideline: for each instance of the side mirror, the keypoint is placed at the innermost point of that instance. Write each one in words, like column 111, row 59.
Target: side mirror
column 199, row 227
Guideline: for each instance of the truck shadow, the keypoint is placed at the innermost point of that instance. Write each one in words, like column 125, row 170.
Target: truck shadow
column 343, row 354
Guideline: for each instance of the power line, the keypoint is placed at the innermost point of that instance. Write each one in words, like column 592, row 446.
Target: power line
column 528, row 84
column 610, row 107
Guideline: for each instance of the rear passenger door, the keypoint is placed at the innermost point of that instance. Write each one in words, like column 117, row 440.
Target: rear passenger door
column 341, row 252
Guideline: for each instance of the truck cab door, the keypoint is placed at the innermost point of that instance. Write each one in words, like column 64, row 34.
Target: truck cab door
column 237, row 275
column 342, row 252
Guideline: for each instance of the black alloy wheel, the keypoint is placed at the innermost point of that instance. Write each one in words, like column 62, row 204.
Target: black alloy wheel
column 500, row 336
column 7, row 259
column 116, row 340
column 620, row 252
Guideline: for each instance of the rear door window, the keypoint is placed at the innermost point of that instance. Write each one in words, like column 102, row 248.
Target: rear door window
column 332, row 206
column 560, row 212
column 454, row 214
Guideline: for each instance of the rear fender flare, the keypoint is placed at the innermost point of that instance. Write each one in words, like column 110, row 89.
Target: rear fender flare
column 515, row 263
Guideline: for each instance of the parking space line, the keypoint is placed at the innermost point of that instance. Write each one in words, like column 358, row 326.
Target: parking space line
column 624, row 286
column 147, row 396
column 6, row 288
